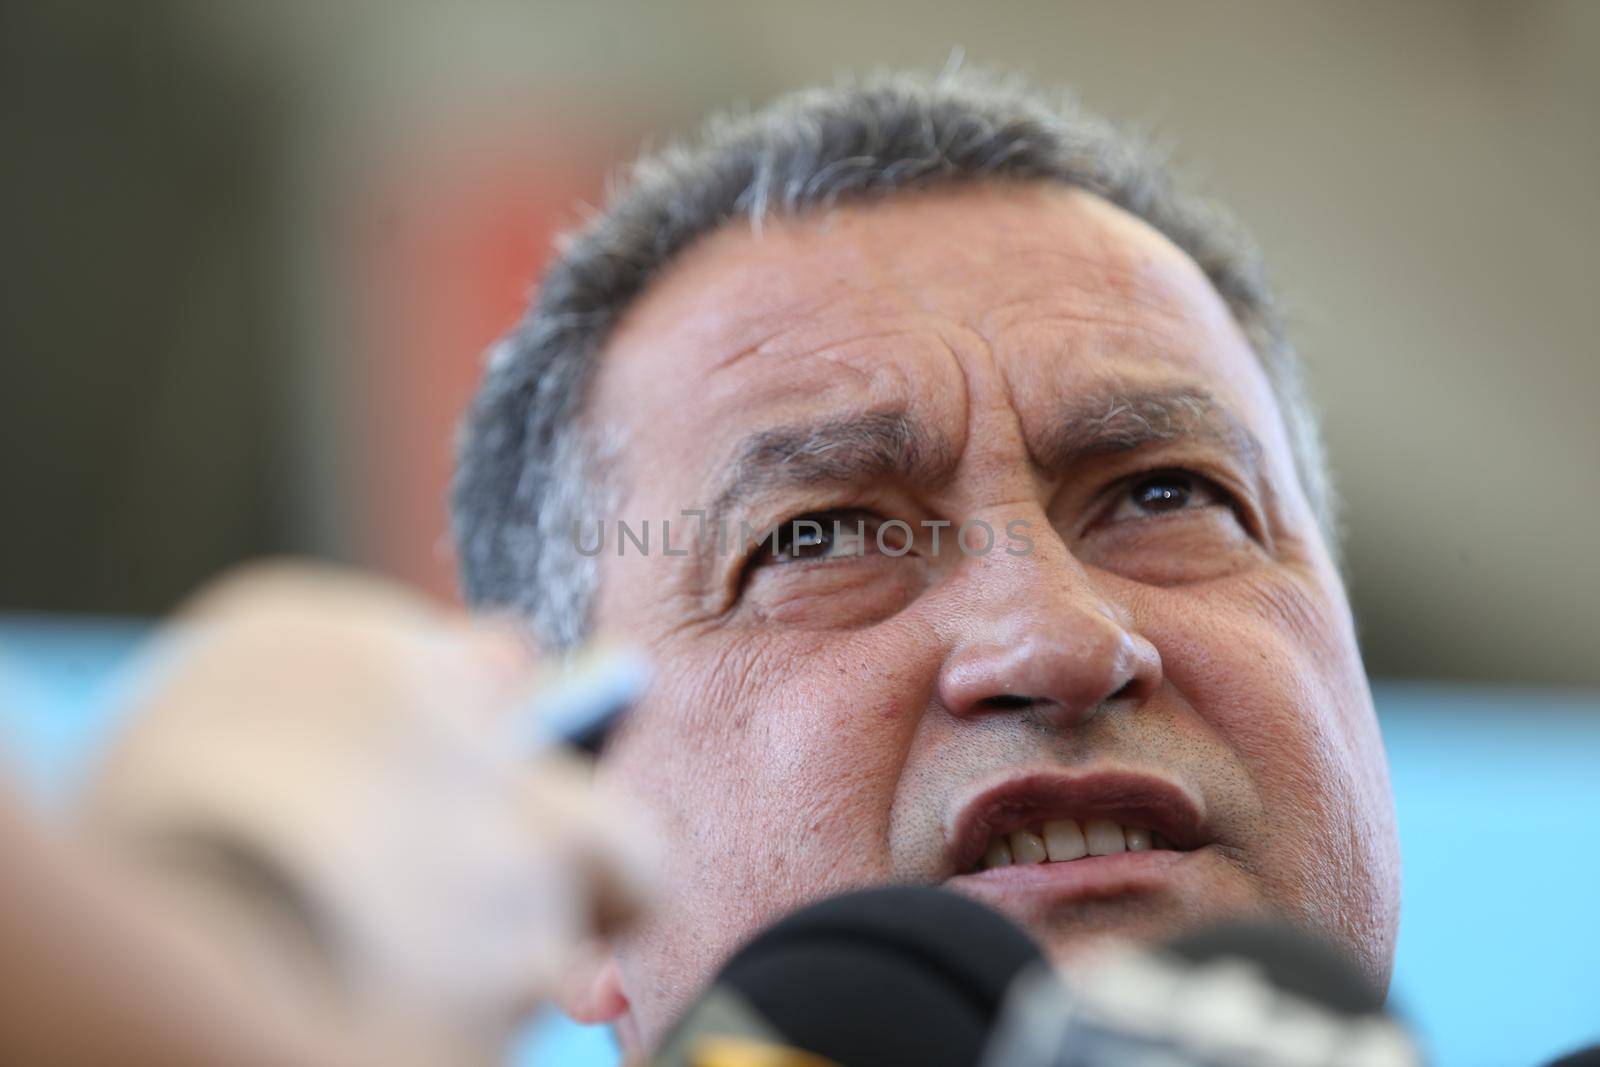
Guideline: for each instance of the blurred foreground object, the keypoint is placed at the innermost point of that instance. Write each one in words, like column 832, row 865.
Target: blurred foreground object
column 320, row 768
column 916, row 975
column 93, row 975
column 1237, row 994
column 896, row 975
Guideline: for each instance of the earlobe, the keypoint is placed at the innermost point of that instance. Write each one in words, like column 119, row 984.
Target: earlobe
column 592, row 992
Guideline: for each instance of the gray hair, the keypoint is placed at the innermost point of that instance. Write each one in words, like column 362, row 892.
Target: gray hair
column 526, row 470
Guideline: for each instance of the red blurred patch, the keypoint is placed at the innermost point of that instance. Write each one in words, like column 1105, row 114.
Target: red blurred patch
column 449, row 244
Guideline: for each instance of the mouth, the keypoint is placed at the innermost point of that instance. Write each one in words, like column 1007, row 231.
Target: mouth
column 1054, row 820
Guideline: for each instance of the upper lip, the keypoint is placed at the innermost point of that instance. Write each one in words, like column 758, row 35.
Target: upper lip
column 1130, row 798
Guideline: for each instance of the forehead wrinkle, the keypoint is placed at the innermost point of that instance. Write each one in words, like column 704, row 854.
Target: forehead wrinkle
column 1122, row 317
column 1023, row 314
column 770, row 347
column 1115, row 290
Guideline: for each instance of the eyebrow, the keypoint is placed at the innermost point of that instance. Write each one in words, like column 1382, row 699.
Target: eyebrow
column 1125, row 421
column 849, row 449
column 856, row 449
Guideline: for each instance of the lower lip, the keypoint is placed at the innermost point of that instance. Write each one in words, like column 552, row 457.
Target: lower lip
column 1090, row 878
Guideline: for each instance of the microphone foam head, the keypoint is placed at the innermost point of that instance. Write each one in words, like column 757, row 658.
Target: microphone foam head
column 910, row 975
column 1290, row 960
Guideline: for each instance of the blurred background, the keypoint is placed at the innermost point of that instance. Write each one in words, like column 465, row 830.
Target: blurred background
column 253, row 253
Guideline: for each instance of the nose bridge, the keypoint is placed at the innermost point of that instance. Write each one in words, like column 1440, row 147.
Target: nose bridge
column 1035, row 633
column 1041, row 572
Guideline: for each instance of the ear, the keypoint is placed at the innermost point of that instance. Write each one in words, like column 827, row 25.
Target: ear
column 591, row 993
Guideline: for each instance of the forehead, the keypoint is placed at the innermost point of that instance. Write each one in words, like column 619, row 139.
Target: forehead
column 1016, row 296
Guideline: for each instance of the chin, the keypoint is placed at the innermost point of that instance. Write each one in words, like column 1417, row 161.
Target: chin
column 1086, row 932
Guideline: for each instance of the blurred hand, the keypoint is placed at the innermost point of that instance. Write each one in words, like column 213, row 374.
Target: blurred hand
column 323, row 767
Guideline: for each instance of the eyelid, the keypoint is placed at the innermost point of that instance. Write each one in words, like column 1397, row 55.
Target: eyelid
column 739, row 564
column 1218, row 485
column 844, row 519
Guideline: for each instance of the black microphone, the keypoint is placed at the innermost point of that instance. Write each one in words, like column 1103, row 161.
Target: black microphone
column 880, row 977
column 1236, row 994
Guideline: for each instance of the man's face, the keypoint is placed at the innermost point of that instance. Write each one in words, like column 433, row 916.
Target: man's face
column 1156, row 638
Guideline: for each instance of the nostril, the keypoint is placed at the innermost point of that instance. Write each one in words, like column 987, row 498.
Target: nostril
column 1007, row 702
column 1016, row 702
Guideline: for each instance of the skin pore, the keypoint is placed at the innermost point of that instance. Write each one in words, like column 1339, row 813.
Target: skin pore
column 1006, row 353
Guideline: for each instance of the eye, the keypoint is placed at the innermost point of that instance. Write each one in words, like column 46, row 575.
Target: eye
column 1164, row 492
column 821, row 536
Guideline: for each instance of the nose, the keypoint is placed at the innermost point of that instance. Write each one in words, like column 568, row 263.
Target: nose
column 1043, row 640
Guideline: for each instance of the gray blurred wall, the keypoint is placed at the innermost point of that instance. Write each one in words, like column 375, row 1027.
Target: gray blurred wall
column 1422, row 175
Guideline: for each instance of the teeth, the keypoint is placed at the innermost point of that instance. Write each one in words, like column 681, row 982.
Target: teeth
column 1104, row 837
column 1064, row 840
column 1027, row 847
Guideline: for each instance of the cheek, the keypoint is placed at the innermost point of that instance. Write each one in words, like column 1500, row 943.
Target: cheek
column 1273, row 668
column 763, row 760
column 1304, row 629
column 769, row 768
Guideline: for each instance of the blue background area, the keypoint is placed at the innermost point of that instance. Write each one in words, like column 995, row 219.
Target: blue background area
column 1498, row 792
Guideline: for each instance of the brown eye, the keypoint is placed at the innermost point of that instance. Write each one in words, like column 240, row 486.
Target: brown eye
column 1163, row 492
column 804, row 539
column 1169, row 527
column 821, row 536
